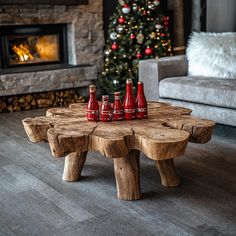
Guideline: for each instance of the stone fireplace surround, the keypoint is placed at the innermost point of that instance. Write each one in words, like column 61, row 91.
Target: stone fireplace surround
column 85, row 46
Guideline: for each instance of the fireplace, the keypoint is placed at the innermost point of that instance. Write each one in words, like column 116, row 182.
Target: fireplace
column 50, row 45
column 32, row 45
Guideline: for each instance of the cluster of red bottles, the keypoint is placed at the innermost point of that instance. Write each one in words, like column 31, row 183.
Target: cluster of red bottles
column 130, row 109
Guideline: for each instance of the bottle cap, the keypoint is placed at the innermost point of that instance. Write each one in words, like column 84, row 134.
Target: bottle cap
column 129, row 81
column 105, row 97
column 117, row 93
column 92, row 88
column 140, row 82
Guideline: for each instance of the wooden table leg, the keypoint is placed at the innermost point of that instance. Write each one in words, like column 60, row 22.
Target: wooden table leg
column 127, row 175
column 73, row 166
column 169, row 177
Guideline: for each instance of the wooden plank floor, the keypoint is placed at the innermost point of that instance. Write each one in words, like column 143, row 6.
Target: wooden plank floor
column 35, row 201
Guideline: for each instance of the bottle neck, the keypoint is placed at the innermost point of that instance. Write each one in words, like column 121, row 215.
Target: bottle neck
column 117, row 97
column 129, row 89
column 140, row 88
column 92, row 96
column 105, row 99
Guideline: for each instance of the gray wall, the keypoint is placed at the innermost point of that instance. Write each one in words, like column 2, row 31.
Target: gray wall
column 221, row 15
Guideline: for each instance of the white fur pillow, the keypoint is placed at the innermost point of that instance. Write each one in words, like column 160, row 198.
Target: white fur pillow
column 212, row 54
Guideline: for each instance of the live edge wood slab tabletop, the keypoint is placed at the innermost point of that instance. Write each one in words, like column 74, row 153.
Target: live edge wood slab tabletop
column 162, row 137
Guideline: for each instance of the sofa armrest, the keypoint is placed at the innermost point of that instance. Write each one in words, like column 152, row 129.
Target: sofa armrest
column 152, row 71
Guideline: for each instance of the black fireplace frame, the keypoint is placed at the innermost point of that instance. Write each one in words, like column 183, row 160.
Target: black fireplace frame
column 27, row 30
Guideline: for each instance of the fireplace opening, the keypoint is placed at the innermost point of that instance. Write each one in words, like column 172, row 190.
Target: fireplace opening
column 32, row 45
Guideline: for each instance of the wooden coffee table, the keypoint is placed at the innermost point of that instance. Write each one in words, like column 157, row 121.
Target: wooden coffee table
column 162, row 137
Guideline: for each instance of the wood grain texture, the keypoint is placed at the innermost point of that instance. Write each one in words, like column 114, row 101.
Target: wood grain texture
column 73, row 166
column 127, row 173
column 164, row 135
column 169, row 177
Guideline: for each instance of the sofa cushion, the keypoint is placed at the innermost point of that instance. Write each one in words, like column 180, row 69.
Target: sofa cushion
column 205, row 90
column 212, row 54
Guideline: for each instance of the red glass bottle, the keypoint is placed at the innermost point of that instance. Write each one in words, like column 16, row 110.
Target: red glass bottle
column 141, row 102
column 129, row 101
column 106, row 109
column 92, row 106
column 118, row 112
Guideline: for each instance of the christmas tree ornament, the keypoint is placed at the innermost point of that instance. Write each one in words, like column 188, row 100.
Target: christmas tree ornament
column 126, row 9
column 148, row 51
column 158, row 26
column 141, row 102
column 118, row 111
column 119, row 29
column 92, row 106
column 121, row 20
column 140, row 38
column 132, row 36
column 156, row 3
column 166, row 21
column 114, row 46
column 129, row 101
column 139, row 55
column 113, row 36
column 122, row 2
column 106, row 109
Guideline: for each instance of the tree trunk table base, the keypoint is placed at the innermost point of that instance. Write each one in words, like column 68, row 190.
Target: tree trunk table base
column 161, row 137
column 73, row 166
column 169, row 177
column 127, row 173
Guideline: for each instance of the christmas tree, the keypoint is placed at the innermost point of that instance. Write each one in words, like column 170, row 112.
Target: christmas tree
column 137, row 30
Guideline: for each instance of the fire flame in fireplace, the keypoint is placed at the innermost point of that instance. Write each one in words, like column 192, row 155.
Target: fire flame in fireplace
column 23, row 52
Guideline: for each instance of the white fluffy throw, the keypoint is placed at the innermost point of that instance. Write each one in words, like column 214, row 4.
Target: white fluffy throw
column 212, row 54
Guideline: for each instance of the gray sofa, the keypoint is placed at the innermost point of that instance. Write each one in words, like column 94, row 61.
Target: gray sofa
column 166, row 80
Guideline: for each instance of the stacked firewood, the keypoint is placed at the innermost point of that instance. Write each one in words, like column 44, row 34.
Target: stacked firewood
column 39, row 100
